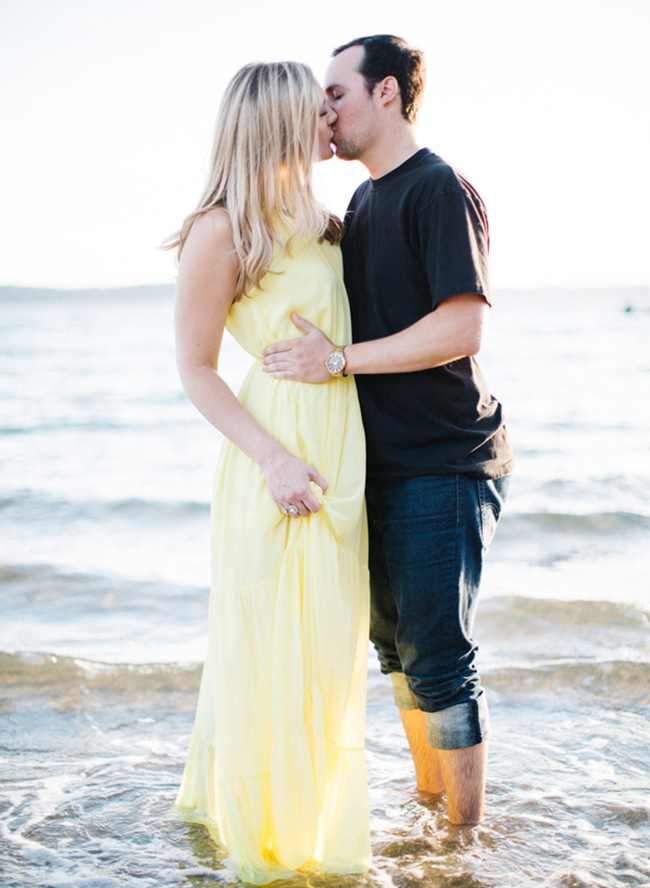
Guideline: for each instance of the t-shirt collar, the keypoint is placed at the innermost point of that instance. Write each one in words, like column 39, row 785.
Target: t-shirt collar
column 413, row 161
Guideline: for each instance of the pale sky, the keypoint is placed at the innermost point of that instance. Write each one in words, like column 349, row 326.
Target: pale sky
column 107, row 109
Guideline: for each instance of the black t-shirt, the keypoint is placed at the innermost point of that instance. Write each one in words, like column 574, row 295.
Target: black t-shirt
column 414, row 237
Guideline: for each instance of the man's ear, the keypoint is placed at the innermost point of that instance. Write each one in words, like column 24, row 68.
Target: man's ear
column 387, row 90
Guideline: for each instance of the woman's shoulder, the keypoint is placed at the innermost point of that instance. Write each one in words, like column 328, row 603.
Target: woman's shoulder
column 210, row 241
column 214, row 225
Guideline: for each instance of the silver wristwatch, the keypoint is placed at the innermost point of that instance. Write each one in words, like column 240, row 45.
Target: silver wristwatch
column 335, row 362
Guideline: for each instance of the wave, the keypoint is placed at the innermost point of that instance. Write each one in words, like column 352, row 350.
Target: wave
column 118, row 419
column 522, row 524
column 29, row 504
column 512, row 616
column 40, row 681
column 52, row 295
column 517, row 632
column 47, row 680
column 620, row 522
column 82, row 594
column 616, row 684
column 84, row 684
column 159, row 425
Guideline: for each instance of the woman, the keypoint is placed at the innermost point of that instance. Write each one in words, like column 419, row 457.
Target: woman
column 276, row 767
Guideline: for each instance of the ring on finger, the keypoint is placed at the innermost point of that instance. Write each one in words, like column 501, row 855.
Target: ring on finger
column 293, row 510
column 284, row 511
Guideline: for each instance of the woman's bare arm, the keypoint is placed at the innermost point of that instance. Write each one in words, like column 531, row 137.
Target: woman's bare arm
column 205, row 290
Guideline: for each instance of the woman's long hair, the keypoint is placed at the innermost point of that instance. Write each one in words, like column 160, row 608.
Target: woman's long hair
column 265, row 144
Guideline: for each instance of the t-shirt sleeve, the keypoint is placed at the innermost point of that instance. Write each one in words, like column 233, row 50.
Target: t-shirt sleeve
column 453, row 238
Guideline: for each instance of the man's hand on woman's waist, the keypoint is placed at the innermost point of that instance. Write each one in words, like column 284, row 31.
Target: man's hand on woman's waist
column 454, row 330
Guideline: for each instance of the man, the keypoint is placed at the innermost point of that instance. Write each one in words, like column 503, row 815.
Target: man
column 415, row 261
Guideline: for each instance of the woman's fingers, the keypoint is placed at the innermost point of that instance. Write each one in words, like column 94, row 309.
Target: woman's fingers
column 301, row 506
column 296, row 487
column 315, row 476
column 303, row 510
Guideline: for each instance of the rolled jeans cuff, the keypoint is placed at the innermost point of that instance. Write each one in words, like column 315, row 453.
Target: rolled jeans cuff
column 461, row 726
column 404, row 699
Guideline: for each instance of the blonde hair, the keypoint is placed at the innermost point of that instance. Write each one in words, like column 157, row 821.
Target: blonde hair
column 265, row 144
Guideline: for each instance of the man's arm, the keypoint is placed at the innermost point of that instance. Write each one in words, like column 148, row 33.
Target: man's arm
column 454, row 330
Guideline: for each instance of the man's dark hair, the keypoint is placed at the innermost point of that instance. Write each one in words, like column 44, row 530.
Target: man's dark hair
column 389, row 56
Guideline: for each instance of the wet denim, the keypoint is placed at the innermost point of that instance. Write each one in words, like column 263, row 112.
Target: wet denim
column 428, row 538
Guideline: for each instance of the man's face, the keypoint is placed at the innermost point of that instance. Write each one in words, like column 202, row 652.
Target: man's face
column 357, row 124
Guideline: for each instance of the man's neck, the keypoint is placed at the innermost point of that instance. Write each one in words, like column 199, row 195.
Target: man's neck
column 392, row 150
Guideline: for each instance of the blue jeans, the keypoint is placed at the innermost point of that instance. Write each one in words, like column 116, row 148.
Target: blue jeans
column 428, row 537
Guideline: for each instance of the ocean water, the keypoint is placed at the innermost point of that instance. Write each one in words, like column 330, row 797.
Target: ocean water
column 105, row 478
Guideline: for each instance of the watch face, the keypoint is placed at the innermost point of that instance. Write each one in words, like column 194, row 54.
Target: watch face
column 334, row 363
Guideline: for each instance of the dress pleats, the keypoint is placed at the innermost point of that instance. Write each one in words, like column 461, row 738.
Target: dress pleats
column 276, row 768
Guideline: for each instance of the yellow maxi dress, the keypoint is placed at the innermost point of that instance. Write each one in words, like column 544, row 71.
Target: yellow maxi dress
column 276, row 767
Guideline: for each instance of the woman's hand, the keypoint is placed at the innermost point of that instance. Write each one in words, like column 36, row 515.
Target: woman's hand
column 288, row 479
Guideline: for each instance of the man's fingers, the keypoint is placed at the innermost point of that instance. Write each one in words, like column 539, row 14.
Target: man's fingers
column 276, row 362
column 279, row 369
column 288, row 344
column 279, row 347
column 281, row 374
column 302, row 324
